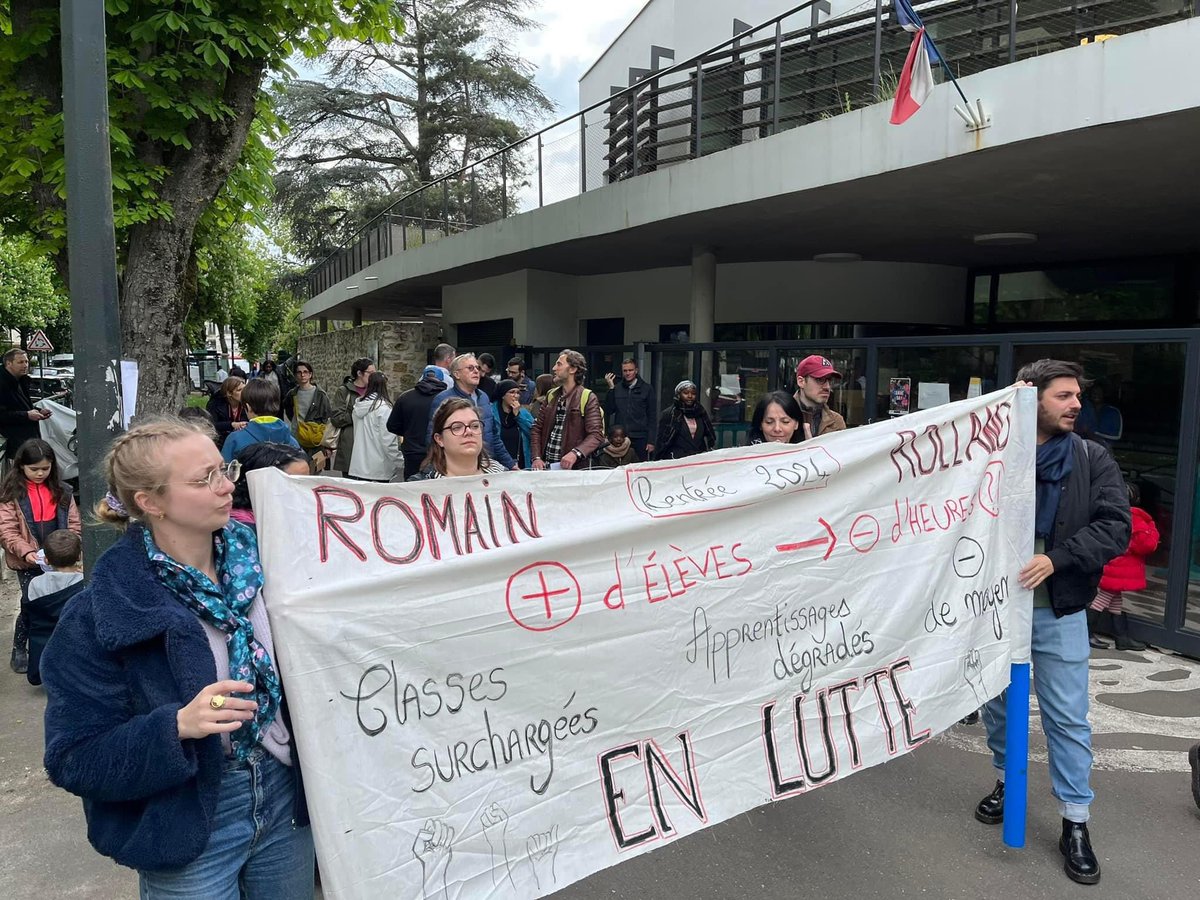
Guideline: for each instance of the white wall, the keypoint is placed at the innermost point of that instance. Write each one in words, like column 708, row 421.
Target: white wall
column 547, row 307
column 645, row 299
column 552, row 310
column 501, row 297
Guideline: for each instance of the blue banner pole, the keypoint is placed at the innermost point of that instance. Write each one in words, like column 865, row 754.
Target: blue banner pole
column 1016, row 756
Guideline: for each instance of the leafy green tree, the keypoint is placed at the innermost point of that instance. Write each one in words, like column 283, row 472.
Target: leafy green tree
column 239, row 282
column 29, row 295
column 191, row 128
column 387, row 118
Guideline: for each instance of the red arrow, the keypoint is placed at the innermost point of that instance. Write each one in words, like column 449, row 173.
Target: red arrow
column 831, row 540
column 832, row 537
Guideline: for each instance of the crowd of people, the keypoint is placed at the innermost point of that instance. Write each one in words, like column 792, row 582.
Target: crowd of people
column 166, row 711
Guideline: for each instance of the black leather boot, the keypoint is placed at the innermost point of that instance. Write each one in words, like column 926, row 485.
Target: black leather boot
column 1076, row 845
column 1094, row 641
column 1121, row 633
column 990, row 810
column 20, row 653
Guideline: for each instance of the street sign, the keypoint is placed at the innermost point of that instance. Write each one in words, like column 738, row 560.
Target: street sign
column 39, row 342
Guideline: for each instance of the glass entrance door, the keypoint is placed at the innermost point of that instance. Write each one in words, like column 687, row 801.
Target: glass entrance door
column 1134, row 406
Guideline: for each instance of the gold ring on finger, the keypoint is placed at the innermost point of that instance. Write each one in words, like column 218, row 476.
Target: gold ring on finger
column 216, row 701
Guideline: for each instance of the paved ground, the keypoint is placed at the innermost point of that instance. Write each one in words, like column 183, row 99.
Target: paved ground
column 900, row 830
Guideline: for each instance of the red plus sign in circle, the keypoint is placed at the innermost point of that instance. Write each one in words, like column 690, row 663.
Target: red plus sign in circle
column 543, row 596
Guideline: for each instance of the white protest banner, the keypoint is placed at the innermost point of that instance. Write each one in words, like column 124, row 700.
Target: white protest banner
column 502, row 684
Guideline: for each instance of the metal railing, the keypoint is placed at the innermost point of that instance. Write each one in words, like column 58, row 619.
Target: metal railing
column 789, row 71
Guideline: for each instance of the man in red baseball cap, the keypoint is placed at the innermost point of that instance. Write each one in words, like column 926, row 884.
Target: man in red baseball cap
column 815, row 379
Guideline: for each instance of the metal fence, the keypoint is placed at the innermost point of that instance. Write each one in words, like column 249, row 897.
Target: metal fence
column 789, row 71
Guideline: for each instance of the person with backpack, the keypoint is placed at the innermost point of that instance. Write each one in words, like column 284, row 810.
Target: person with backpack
column 261, row 399
column 1081, row 522
column 307, row 408
column 570, row 425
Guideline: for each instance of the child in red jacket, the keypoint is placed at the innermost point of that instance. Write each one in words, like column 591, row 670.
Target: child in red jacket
column 1126, row 573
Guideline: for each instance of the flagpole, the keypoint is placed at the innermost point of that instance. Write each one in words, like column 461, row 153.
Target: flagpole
column 946, row 68
column 915, row 19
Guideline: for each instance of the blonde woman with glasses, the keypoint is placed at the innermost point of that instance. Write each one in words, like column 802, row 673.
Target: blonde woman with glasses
column 165, row 711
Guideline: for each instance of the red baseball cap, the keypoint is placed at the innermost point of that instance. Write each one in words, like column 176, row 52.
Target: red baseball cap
column 816, row 367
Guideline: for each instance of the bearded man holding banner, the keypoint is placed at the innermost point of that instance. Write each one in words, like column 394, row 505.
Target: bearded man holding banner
column 1082, row 522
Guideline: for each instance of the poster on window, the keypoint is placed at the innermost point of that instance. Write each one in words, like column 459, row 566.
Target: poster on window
column 899, row 396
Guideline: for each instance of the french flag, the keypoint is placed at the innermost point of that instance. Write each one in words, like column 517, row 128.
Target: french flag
column 916, row 78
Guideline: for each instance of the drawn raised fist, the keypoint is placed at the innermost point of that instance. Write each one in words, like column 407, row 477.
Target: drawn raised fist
column 973, row 673
column 432, row 847
column 542, row 849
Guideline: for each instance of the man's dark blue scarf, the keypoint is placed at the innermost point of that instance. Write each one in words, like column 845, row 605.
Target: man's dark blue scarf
column 1055, row 459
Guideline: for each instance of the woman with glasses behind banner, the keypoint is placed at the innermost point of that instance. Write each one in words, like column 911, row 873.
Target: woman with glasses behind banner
column 458, row 447
column 165, row 711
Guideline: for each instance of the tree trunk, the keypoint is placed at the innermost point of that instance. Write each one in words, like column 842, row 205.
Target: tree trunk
column 156, row 294
column 226, row 356
column 153, row 309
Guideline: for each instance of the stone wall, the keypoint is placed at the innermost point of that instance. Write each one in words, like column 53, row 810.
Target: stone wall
column 400, row 350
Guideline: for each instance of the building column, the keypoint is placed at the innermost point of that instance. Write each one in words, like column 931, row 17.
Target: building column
column 358, row 317
column 323, row 324
column 704, row 313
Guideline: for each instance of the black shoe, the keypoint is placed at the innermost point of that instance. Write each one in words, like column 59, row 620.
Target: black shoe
column 1097, row 644
column 20, row 660
column 1121, row 633
column 1194, row 759
column 970, row 719
column 990, row 810
column 1076, row 845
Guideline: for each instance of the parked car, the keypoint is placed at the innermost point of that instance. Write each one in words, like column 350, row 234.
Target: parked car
column 56, row 383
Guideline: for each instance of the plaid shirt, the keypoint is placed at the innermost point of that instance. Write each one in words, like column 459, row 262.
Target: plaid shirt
column 554, row 449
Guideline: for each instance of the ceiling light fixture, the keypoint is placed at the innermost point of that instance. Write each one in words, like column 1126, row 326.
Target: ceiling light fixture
column 838, row 257
column 370, row 278
column 1006, row 239
column 352, row 287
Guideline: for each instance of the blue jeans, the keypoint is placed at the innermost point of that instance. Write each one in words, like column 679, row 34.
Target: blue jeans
column 254, row 851
column 1060, row 679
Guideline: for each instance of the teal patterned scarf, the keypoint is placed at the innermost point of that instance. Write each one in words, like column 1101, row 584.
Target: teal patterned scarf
column 225, row 607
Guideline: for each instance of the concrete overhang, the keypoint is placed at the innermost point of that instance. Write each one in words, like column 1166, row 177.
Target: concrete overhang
column 1093, row 149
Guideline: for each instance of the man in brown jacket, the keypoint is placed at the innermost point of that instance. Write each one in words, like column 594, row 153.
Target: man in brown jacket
column 815, row 378
column 568, row 429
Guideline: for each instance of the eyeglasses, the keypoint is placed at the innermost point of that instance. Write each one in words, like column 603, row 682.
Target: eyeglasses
column 469, row 368
column 458, row 429
column 231, row 471
column 826, row 380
